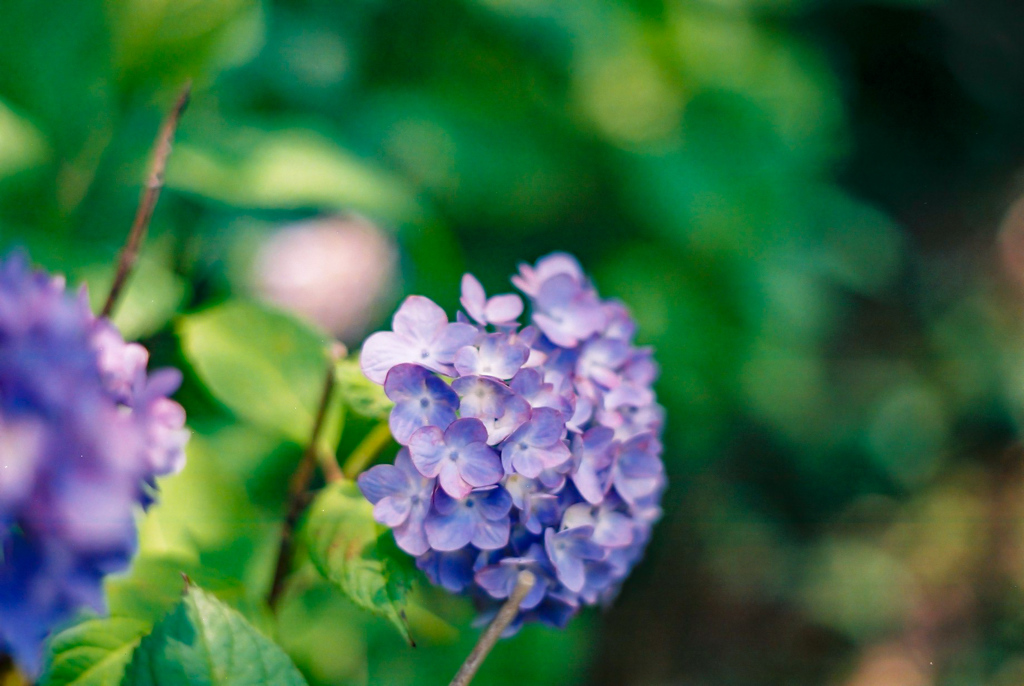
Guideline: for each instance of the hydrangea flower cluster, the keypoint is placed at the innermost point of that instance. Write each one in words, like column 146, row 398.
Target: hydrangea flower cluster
column 84, row 430
column 542, row 452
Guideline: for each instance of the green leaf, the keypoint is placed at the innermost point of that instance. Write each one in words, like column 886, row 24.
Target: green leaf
column 151, row 586
column 169, row 41
column 359, row 394
column 93, row 652
column 22, row 145
column 290, row 169
column 264, row 365
column 347, row 547
column 203, row 641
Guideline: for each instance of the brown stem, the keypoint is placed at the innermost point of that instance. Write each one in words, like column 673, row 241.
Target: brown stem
column 154, row 183
column 298, row 487
column 508, row 612
column 329, row 467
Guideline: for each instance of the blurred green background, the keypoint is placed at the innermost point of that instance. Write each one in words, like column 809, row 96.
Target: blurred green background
column 808, row 204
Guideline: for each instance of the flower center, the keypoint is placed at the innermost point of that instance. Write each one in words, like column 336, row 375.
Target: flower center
column 424, row 403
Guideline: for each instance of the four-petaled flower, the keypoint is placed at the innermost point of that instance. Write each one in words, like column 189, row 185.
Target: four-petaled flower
column 493, row 355
column 422, row 335
column 459, row 457
column 493, row 403
column 568, row 550
column 401, row 498
column 538, row 507
column 481, row 519
column 529, row 384
column 612, row 529
column 499, row 580
column 536, row 445
column 421, row 399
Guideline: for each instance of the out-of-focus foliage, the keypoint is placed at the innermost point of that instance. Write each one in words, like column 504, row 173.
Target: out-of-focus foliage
column 94, row 652
column 266, row 367
column 798, row 200
column 364, row 397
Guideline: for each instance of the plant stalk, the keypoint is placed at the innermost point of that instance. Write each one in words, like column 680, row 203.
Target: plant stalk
column 367, row 450
column 154, row 183
column 329, row 467
column 298, row 487
column 508, row 612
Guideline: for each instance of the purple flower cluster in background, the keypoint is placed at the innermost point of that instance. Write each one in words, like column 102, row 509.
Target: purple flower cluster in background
column 84, row 430
column 542, row 453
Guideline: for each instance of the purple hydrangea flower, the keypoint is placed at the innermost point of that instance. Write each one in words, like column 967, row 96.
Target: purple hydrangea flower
column 401, row 498
column 499, row 579
column 84, row 431
column 459, row 457
column 612, row 529
column 421, row 399
column 531, row 278
column 557, row 608
column 568, row 551
column 497, row 355
column 619, row 324
column 543, row 454
column 566, row 307
column 493, row 403
column 598, row 365
column 529, row 384
column 638, row 470
column 592, row 451
column 501, row 310
column 536, row 445
column 451, row 571
column 538, row 507
column 421, row 335
column 628, row 420
column 481, row 518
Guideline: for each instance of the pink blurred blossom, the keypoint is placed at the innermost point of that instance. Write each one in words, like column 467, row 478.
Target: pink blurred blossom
column 333, row 271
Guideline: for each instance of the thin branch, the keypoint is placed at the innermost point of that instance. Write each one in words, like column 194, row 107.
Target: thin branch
column 329, row 466
column 298, row 486
column 508, row 612
column 368, row 448
column 154, row 183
